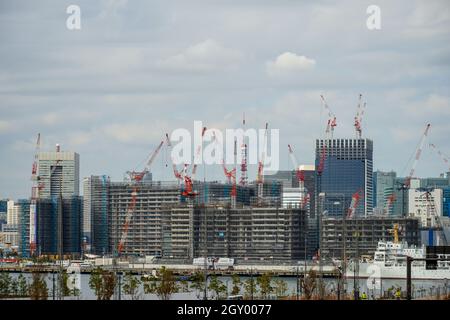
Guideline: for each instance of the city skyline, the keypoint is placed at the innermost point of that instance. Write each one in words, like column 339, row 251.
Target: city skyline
column 111, row 90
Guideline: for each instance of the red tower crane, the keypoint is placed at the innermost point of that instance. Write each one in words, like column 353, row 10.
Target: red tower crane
column 136, row 177
column 356, row 197
column 244, row 153
column 300, row 177
column 261, row 163
column 329, row 131
column 417, row 157
column 359, row 116
column 443, row 156
column 35, row 190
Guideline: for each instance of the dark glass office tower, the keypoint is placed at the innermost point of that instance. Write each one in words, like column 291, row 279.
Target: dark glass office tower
column 347, row 167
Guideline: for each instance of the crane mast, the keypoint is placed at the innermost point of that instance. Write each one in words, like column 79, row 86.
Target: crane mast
column 300, row 177
column 261, row 163
column 244, row 154
column 136, row 177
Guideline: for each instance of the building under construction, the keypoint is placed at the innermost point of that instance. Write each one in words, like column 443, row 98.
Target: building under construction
column 363, row 234
column 163, row 220
column 249, row 233
column 144, row 235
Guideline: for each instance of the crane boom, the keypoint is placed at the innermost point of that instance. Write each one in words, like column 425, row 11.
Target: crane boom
column 444, row 157
column 417, row 157
column 138, row 176
column 135, row 178
column 260, row 175
column 355, row 200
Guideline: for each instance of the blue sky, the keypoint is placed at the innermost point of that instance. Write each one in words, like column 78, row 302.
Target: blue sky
column 138, row 69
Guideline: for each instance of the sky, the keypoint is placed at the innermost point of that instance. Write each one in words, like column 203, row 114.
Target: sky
column 138, row 69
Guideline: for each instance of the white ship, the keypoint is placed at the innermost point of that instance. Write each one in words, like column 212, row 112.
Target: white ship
column 389, row 262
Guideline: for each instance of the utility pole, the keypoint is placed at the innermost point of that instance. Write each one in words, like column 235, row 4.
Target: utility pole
column 205, row 248
column 321, row 287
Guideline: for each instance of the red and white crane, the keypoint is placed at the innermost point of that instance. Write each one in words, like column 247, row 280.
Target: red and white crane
column 329, row 131
column 179, row 175
column 300, row 178
column 136, row 177
column 261, row 163
column 356, row 197
column 442, row 155
column 417, row 156
column 231, row 177
column 359, row 116
column 244, row 154
column 35, row 190
column 406, row 185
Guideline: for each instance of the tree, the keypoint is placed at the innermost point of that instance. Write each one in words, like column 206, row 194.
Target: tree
column 103, row 283
column 5, row 284
column 131, row 286
column 163, row 284
column 38, row 287
column 281, row 287
column 236, row 284
column 309, row 284
column 250, row 288
column 22, row 286
column 264, row 283
column 217, row 286
column 14, row 288
column 198, row 283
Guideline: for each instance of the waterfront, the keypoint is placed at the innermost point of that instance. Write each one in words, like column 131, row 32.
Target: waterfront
column 421, row 289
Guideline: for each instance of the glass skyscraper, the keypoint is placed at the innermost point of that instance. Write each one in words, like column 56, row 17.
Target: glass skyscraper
column 347, row 168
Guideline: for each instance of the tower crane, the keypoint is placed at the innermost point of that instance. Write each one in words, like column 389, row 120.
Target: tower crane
column 329, row 131
column 231, row 176
column 443, row 156
column 300, row 177
column 35, row 189
column 359, row 116
column 435, row 219
column 244, row 153
column 179, row 174
column 261, row 163
column 136, row 178
column 417, row 157
column 406, row 185
column 356, row 197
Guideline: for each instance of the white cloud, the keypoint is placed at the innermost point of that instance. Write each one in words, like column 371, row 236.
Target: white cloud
column 288, row 63
column 5, row 126
column 135, row 133
column 204, row 56
column 111, row 7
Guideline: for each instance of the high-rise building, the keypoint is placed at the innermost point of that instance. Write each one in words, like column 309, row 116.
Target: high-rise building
column 347, row 169
column 3, row 211
column 384, row 187
column 24, row 227
column 144, row 235
column 59, row 168
column 12, row 216
column 47, row 237
column 95, row 214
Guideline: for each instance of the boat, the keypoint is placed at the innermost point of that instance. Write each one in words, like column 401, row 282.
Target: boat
column 389, row 262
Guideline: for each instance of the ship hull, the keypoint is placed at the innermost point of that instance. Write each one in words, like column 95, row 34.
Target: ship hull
column 370, row 270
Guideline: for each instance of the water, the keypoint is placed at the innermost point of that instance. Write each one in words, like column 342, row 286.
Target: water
column 420, row 288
